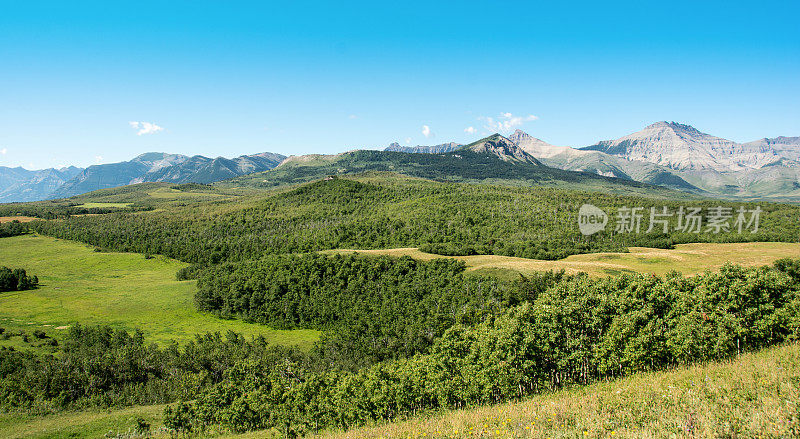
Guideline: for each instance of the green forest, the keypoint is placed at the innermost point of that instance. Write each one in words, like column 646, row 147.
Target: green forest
column 379, row 211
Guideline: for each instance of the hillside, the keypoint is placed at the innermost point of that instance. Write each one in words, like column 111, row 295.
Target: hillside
column 676, row 156
column 375, row 210
column 502, row 148
column 125, row 290
column 754, row 395
column 494, row 160
column 393, row 327
column 571, row 159
column 746, row 396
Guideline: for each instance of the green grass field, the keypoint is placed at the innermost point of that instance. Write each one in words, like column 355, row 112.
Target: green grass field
column 87, row 424
column 688, row 259
column 124, row 290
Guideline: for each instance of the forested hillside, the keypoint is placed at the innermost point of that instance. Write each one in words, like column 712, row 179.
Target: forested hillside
column 482, row 342
column 384, row 211
column 463, row 165
column 400, row 336
column 572, row 331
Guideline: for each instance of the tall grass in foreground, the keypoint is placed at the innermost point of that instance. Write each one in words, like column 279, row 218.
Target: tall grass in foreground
column 754, row 395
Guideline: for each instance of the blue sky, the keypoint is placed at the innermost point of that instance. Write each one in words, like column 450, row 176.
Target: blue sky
column 232, row 78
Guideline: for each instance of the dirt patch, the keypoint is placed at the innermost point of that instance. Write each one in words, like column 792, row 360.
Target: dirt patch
column 22, row 219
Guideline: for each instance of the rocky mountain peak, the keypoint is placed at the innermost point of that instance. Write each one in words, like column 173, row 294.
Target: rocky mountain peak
column 683, row 147
column 433, row 149
column 503, row 148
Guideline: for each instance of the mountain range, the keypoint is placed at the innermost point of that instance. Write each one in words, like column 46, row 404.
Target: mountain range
column 678, row 156
column 17, row 184
column 493, row 160
column 669, row 154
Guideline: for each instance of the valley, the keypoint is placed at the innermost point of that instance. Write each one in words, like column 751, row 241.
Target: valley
column 400, row 220
column 387, row 291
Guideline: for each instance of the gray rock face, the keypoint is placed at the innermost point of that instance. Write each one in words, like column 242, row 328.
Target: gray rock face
column 684, row 148
column 765, row 168
column 434, row 149
column 786, row 147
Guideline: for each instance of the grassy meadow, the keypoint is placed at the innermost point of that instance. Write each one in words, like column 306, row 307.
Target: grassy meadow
column 688, row 259
column 123, row 290
column 84, row 424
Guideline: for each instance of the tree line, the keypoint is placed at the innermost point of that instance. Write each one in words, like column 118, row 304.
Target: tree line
column 97, row 366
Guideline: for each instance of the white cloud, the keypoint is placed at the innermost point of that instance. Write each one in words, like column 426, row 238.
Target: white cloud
column 470, row 130
column 145, row 128
column 506, row 122
column 4, row 151
column 426, row 131
column 98, row 159
column 408, row 140
column 352, row 117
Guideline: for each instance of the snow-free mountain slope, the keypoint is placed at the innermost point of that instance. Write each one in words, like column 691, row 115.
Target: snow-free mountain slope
column 539, row 148
column 786, row 147
column 433, row 149
column 18, row 184
column 117, row 174
column 768, row 167
column 163, row 167
column 501, row 147
column 682, row 147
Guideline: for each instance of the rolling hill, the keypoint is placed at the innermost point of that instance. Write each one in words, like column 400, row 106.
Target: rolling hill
column 494, row 159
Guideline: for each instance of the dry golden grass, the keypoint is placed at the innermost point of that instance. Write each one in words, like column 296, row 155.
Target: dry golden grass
column 686, row 258
column 22, row 219
column 755, row 395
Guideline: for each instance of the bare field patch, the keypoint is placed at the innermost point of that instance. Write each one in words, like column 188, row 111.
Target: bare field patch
column 688, row 259
column 22, row 219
